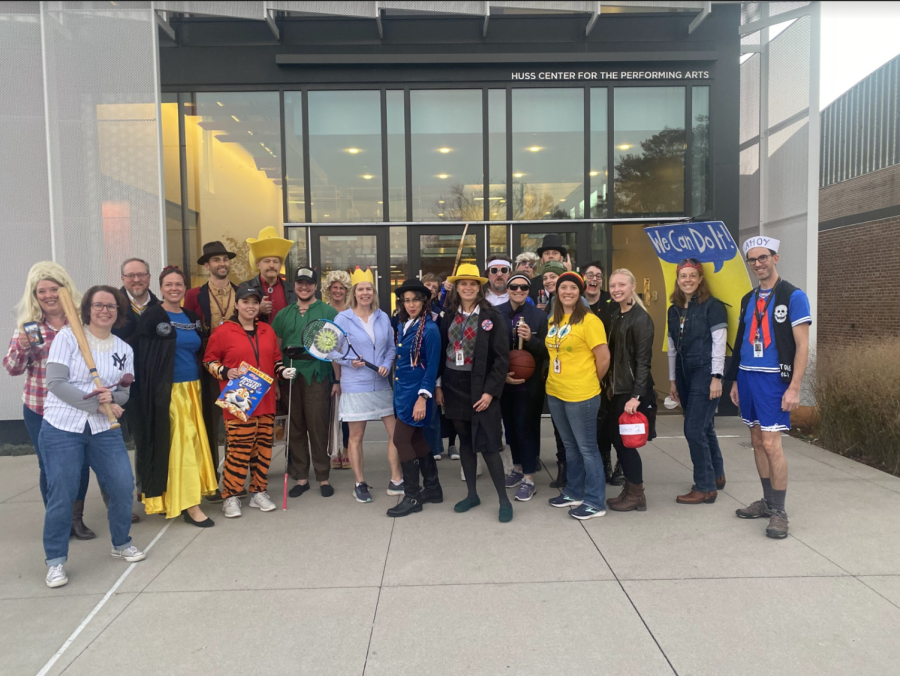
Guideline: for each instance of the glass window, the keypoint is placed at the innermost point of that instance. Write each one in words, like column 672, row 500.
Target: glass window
column 399, row 260
column 345, row 156
column 233, row 153
column 532, row 241
column 172, row 181
column 293, row 148
column 497, row 243
column 396, row 149
column 447, row 155
column 649, row 155
column 599, row 171
column 299, row 255
column 497, row 154
column 700, row 149
column 548, row 153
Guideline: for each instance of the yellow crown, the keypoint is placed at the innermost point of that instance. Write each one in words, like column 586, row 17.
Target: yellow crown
column 360, row 276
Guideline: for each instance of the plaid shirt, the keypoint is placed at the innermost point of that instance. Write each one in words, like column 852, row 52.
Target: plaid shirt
column 32, row 361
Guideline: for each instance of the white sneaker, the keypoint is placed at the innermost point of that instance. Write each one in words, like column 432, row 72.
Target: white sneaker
column 260, row 501
column 231, row 508
column 130, row 554
column 56, row 576
column 437, row 456
column 454, row 454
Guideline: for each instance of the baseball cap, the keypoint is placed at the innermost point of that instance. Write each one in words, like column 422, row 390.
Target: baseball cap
column 307, row 274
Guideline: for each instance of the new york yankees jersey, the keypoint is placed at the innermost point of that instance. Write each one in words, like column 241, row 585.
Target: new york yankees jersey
column 113, row 359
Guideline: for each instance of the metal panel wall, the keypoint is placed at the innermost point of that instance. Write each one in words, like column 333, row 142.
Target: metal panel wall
column 24, row 210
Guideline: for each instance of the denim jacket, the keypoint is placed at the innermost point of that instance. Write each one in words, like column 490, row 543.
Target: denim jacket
column 695, row 344
column 381, row 353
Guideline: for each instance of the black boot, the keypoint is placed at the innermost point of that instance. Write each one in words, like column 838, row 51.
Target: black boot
column 560, row 481
column 411, row 501
column 79, row 530
column 618, row 476
column 431, row 491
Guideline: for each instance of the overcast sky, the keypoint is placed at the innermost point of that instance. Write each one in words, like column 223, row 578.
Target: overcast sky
column 857, row 38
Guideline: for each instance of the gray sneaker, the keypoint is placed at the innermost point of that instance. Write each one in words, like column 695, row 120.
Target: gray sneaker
column 757, row 510
column 526, row 492
column 131, row 554
column 56, row 576
column 778, row 526
column 514, row 478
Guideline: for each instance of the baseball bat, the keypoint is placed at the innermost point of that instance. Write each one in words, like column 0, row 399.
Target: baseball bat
column 75, row 324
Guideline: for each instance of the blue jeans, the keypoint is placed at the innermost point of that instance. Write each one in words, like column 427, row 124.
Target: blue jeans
column 33, row 425
column 432, row 432
column 576, row 422
column 64, row 455
column 699, row 425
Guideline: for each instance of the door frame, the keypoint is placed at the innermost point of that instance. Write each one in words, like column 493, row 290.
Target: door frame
column 382, row 252
column 414, row 231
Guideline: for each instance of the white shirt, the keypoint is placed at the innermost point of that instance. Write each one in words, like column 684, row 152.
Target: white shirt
column 113, row 359
column 494, row 299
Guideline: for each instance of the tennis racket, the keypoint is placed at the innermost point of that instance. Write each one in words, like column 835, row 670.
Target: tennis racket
column 326, row 341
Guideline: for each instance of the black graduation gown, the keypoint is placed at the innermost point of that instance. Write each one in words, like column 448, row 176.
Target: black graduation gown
column 490, row 364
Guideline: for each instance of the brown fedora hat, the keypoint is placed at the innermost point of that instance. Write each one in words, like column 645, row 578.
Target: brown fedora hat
column 211, row 249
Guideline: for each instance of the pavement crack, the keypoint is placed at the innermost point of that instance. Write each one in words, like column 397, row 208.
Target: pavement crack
column 387, row 555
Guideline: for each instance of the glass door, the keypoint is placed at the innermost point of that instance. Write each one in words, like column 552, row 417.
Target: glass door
column 345, row 248
column 433, row 248
column 576, row 237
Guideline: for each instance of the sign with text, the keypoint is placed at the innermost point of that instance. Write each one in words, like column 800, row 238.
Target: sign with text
column 618, row 74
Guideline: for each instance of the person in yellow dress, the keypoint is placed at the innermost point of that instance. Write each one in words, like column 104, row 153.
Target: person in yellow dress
column 173, row 459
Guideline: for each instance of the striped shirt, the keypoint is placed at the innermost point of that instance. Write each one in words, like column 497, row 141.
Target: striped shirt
column 113, row 359
column 32, row 361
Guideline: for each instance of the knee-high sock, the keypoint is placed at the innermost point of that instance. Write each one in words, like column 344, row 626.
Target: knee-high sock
column 495, row 466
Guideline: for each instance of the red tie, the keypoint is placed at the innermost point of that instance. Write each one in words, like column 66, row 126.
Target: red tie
column 760, row 309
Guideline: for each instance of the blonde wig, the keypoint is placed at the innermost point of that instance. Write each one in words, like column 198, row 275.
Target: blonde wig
column 635, row 296
column 28, row 309
column 335, row 276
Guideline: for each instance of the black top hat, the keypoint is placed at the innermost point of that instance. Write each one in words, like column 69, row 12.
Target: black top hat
column 413, row 285
column 211, row 249
column 552, row 242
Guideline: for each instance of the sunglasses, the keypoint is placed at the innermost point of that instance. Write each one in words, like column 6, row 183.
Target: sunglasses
column 518, row 287
column 502, row 270
column 688, row 261
column 527, row 264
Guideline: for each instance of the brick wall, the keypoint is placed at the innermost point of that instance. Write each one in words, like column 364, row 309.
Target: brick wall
column 859, row 281
column 877, row 190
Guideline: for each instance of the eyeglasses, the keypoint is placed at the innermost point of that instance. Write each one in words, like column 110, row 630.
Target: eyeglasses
column 760, row 259
column 594, row 275
column 518, row 287
column 502, row 270
column 136, row 275
column 103, row 306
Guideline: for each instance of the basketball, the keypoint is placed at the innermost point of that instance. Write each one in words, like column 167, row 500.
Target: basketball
column 521, row 364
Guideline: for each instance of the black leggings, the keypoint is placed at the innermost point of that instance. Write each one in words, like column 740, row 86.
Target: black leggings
column 448, row 431
column 469, row 460
column 632, row 466
column 410, row 441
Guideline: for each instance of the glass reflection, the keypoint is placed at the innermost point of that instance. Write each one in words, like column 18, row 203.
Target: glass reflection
column 497, row 154
column 346, row 252
column 437, row 253
column 447, row 155
column 599, row 171
column 548, row 153
column 396, row 149
column 532, row 241
column 399, row 260
column 700, row 150
column 345, row 156
column 293, row 146
column 649, row 154
column 175, row 254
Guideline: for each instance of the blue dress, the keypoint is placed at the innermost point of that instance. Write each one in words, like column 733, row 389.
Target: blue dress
column 409, row 379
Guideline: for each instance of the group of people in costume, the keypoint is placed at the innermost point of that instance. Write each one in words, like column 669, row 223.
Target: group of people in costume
column 446, row 363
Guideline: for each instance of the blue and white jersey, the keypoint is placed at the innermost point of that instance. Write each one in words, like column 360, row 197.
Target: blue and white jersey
column 797, row 312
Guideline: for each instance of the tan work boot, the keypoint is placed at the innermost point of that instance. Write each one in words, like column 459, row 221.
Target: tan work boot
column 621, row 496
column 634, row 500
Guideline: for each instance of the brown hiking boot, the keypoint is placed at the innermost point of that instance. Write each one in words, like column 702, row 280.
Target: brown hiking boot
column 696, row 497
column 634, row 500
column 720, row 482
column 621, row 496
column 778, row 526
column 757, row 510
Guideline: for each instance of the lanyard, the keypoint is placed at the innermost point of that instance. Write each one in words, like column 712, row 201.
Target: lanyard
column 756, row 313
column 212, row 295
column 254, row 345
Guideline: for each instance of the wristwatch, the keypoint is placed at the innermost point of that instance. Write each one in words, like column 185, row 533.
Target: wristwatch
column 717, row 375
column 336, row 381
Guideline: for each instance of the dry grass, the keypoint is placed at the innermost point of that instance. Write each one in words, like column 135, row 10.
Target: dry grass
column 857, row 389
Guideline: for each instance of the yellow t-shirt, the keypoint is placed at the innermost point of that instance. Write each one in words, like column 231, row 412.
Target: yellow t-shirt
column 577, row 377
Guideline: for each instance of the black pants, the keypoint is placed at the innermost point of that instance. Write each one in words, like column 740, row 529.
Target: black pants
column 522, row 422
column 632, row 466
column 448, row 431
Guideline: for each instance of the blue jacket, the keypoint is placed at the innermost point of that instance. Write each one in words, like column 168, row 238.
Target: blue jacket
column 381, row 353
column 408, row 380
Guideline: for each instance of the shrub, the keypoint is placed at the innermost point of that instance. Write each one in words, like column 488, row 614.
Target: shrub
column 857, row 389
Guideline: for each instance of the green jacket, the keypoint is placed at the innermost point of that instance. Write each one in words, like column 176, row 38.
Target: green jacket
column 289, row 325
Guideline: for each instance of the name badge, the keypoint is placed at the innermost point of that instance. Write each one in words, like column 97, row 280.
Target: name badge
column 557, row 367
column 757, row 348
column 460, row 359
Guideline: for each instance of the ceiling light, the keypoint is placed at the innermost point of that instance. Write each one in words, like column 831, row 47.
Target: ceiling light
column 624, row 146
column 367, row 176
column 518, row 175
column 444, row 150
column 327, row 216
column 353, row 151
column 479, row 199
column 535, row 149
column 250, row 132
column 218, row 103
column 380, row 202
column 234, row 117
column 546, row 213
column 440, row 201
column 443, row 175
column 595, row 173
column 440, row 214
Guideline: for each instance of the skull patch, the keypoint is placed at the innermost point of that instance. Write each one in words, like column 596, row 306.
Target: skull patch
column 780, row 313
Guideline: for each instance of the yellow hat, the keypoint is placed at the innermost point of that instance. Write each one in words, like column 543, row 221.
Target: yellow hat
column 360, row 276
column 467, row 271
column 269, row 244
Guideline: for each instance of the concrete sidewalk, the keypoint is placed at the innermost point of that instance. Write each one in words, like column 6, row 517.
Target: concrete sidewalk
column 335, row 587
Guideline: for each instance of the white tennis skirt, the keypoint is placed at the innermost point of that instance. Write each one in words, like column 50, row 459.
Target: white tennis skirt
column 363, row 406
